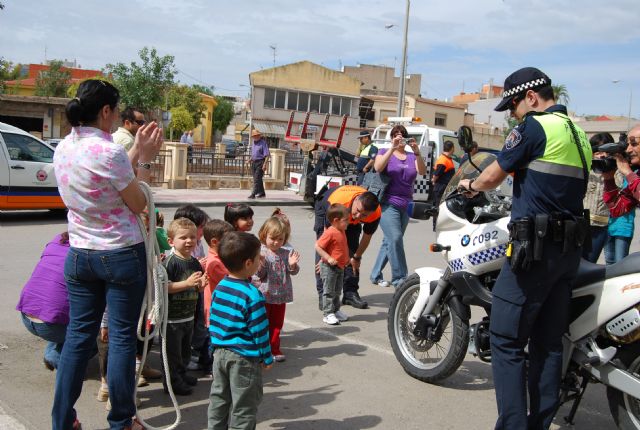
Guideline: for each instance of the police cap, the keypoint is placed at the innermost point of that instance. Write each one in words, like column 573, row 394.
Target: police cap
column 519, row 82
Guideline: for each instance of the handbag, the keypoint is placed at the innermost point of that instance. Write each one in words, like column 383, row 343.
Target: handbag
column 376, row 183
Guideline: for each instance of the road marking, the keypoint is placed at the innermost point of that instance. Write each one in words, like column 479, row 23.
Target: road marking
column 348, row 339
column 7, row 422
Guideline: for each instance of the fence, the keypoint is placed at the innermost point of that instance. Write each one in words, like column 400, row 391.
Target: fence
column 158, row 168
column 210, row 162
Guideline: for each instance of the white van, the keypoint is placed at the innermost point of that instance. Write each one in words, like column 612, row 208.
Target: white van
column 27, row 179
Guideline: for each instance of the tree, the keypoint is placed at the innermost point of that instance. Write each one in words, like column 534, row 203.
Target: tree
column 144, row 85
column 202, row 89
column 223, row 114
column 53, row 82
column 187, row 97
column 561, row 94
column 8, row 72
column 181, row 120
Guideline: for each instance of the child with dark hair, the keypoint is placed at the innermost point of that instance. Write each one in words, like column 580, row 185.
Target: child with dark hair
column 239, row 335
column 214, row 231
column 185, row 282
column 199, row 218
column 239, row 215
column 334, row 252
column 276, row 268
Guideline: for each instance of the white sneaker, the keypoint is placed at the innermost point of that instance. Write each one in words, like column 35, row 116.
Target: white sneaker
column 341, row 316
column 331, row 319
column 383, row 283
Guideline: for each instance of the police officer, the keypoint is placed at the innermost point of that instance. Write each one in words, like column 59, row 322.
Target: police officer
column 550, row 159
column 366, row 155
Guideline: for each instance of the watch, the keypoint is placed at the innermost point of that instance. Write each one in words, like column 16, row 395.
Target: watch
column 470, row 187
column 357, row 257
column 144, row 165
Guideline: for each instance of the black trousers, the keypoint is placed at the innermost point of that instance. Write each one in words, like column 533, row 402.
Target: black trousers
column 178, row 339
column 258, row 174
column 534, row 311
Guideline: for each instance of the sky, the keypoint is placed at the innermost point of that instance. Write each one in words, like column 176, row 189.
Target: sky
column 455, row 45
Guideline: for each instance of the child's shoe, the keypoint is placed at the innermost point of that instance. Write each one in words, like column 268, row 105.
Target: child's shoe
column 331, row 319
column 103, row 393
column 190, row 380
column 279, row 358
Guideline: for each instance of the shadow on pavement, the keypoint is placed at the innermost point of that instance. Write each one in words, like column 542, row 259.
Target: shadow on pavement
column 20, row 218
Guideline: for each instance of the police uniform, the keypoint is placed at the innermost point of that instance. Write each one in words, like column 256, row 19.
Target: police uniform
column 531, row 299
column 345, row 195
column 366, row 154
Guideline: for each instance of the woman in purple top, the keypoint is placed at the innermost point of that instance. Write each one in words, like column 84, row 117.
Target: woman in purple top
column 43, row 301
column 401, row 167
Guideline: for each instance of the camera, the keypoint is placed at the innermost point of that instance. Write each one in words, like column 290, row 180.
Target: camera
column 608, row 163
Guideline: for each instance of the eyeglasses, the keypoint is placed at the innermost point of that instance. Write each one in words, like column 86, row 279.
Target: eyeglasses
column 140, row 122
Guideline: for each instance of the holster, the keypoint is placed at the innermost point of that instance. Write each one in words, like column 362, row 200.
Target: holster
column 521, row 244
column 541, row 227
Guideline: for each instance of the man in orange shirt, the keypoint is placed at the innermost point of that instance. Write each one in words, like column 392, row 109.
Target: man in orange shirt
column 364, row 216
column 442, row 174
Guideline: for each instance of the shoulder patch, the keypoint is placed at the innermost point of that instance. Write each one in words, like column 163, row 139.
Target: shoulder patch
column 513, row 139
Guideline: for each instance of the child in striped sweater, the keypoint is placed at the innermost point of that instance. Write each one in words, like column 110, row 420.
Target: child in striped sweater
column 239, row 335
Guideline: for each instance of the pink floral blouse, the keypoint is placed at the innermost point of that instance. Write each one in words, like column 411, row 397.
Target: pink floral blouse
column 91, row 170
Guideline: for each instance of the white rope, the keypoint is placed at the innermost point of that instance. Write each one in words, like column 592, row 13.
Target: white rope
column 154, row 304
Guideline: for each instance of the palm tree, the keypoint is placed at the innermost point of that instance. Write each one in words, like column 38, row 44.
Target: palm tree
column 561, row 94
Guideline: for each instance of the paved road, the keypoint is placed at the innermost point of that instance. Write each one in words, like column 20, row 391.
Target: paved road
column 334, row 378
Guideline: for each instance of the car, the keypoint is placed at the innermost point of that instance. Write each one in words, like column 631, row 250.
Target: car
column 234, row 148
column 53, row 142
column 27, row 178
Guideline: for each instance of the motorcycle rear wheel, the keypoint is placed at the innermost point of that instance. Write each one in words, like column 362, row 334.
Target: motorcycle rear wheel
column 624, row 408
column 425, row 360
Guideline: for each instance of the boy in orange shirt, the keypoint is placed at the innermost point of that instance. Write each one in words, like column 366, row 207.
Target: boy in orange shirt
column 334, row 252
column 214, row 269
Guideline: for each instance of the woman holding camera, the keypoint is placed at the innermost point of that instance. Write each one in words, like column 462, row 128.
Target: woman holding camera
column 622, row 201
column 401, row 167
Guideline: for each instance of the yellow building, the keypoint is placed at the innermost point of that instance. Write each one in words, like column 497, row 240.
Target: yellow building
column 304, row 87
column 203, row 133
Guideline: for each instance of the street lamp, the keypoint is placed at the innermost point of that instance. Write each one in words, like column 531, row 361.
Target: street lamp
column 615, row 81
column 403, row 72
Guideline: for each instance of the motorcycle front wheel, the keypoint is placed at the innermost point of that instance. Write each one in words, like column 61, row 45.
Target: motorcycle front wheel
column 624, row 408
column 426, row 360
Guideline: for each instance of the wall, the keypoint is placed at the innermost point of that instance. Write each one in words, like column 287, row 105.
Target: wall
column 381, row 80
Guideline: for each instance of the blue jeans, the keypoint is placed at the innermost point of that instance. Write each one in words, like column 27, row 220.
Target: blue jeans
column 616, row 248
column 599, row 236
column 116, row 278
column 393, row 222
column 53, row 333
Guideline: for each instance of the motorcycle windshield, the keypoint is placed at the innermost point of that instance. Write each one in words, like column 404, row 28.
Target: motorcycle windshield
column 467, row 171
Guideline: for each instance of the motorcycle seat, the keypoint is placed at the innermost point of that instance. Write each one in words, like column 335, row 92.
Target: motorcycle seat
column 628, row 265
column 589, row 273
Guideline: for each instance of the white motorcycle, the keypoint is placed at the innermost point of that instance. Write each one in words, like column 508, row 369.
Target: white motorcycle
column 428, row 322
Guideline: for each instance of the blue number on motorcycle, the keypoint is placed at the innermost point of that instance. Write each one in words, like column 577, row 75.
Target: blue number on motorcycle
column 484, row 237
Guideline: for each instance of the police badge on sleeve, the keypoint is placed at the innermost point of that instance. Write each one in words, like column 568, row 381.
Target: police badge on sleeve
column 513, row 139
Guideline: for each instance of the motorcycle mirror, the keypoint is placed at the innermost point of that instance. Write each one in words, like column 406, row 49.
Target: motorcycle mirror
column 465, row 138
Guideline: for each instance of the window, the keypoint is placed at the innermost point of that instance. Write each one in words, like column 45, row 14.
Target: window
column 280, row 96
column 303, row 102
column 346, row 107
column 269, row 97
column 335, row 105
column 441, row 120
column 25, row 148
column 324, row 104
column 292, row 100
column 314, row 103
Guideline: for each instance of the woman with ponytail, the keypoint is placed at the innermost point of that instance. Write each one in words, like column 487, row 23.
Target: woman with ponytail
column 106, row 264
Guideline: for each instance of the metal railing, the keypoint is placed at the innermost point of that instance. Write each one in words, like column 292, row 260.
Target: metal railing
column 158, row 168
column 210, row 162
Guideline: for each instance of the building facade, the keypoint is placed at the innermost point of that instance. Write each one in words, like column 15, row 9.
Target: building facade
column 381, row 80
column 304, row 87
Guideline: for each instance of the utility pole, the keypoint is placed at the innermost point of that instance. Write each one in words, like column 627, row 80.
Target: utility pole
column 403, row 68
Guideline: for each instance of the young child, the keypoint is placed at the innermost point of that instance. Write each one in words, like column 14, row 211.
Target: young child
column 200, row 356
column 161, row 233
column 239, row 335
column 239, row 215
column 186, row 281
column 214, row 230
column 334, row 251
column 277, row 266
column 277, row 212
